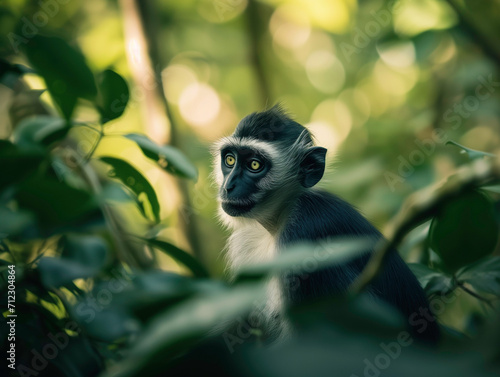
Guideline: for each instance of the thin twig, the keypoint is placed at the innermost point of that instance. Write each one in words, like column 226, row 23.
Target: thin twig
column 474, row 294
column 94, row 147
column 126, row 253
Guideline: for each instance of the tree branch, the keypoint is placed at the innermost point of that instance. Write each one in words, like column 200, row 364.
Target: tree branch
column 423, row 205
column 141, row 31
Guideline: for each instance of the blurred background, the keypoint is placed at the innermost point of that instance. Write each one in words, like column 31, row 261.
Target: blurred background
column 382, row 84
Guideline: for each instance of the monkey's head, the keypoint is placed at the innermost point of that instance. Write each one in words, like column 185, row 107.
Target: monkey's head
column 267, row 161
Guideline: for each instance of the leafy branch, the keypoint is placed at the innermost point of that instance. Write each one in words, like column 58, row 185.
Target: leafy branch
column 424, row 204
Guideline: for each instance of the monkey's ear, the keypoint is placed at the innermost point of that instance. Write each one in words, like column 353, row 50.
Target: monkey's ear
column 312, row 167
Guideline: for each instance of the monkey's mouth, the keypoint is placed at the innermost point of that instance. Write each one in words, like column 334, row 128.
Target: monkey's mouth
column 237, row 207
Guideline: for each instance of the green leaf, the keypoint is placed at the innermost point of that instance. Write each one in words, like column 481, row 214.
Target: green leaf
column 180, row 255
column 64, row 70
column 113, row 95
column 464, row 231
column 308, row 257
column 176, row 162
column 40, row 130
column 153, row 292
column 484, row 275
column 87, row 250
column 472, row 153
column 440, row 284
column 187, row 323
column 134, row 180
column 492, row 188
column 82, row 257
column 57, row 272
column 13, row 223
column 56, row 205
column 424, row 274
column 17, row 164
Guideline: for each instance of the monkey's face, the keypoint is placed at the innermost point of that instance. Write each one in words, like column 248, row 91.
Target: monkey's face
column 243, row 171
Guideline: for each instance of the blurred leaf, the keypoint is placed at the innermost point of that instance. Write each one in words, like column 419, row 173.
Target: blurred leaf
column 472, row 153
column 414, row 238
column 113, row 95
column 465, row 230
column 17, row 164
column 56, row 205
column 108, row 324
column 492, row 188
column 484, row 275
column 57, row 272
column 82, row 257
column 14, row 222
column 425, row 274
column 154, row 292
column 179, row 255
column 176, row 162
column 64, row 70
column 87, row 250
column 308, row 256
column 134, row 180
column 189, row 322
column 440, row 284
column 40, row 130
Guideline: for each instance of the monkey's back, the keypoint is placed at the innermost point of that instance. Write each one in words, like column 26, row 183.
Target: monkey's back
column 319, row 215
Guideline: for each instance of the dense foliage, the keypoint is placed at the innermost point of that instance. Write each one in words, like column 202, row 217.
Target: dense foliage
column 92, row 298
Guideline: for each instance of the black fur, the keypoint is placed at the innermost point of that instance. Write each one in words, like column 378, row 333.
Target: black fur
column 273, row 125
column 318, row 215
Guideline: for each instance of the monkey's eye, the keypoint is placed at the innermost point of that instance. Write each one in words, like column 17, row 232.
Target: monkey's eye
column 230, row 160
column 255, row 165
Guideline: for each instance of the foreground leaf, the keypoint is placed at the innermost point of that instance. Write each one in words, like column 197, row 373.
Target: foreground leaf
column 179, row 255
column 64, row 70
column 188, row 323
column 57, row 206
column 465, row 230
column 176, row 162
column 308, row 257
column 40, row 130
column 483, row 275
column 472, row 153
column 134, row 180
column 113, row 95
column 82, row 257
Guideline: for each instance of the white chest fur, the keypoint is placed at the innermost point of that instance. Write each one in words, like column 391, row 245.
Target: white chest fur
column 250, row 243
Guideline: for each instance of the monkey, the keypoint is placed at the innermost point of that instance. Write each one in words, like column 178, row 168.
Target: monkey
column 266, row 172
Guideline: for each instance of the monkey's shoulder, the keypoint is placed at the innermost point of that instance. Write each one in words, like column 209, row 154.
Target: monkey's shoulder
column 319, row 215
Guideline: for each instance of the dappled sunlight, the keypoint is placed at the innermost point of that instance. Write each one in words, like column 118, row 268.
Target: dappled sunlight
column 334, row 115
column 290, row 26
column 412, row 17
column 396, row 82
column 199, row 104
column 397, row 54
column 176, row 78
column 325, row 71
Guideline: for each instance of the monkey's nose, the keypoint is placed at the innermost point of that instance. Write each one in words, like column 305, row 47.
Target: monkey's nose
column 230, row 187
